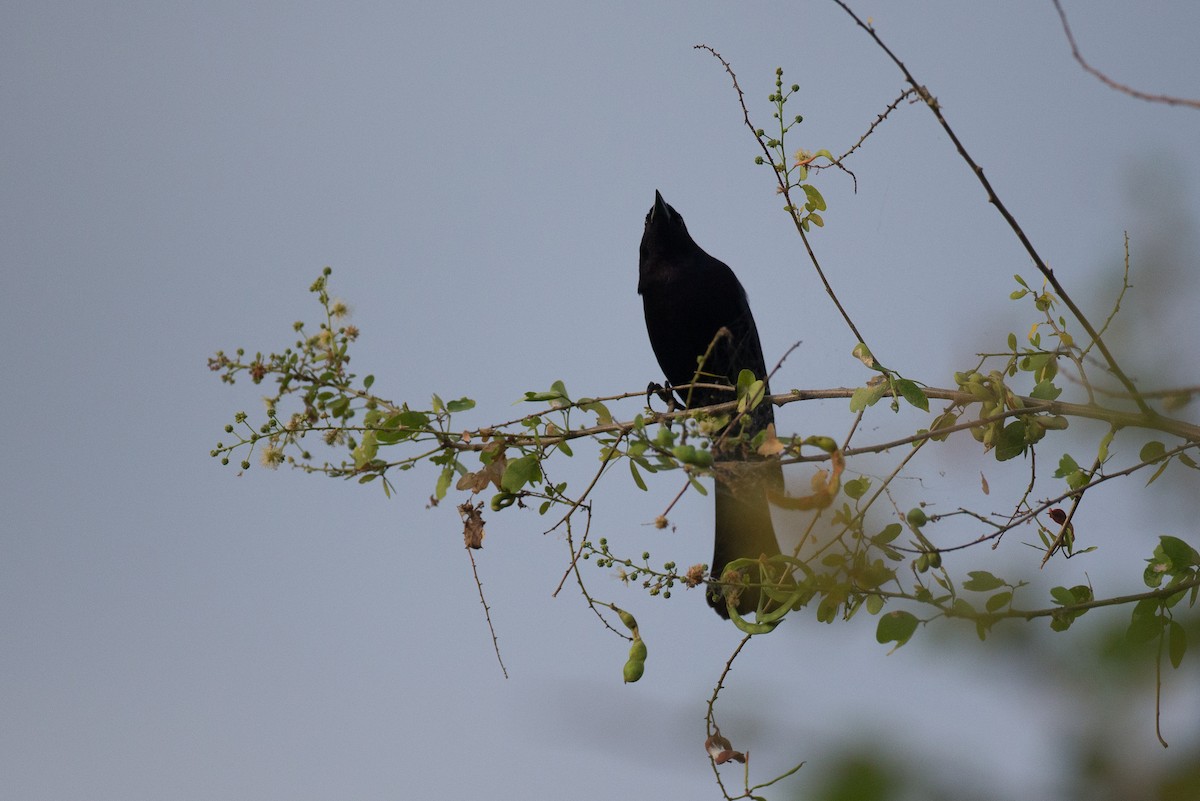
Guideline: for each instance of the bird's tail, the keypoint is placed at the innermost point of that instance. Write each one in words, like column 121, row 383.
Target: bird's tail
column 743, row 527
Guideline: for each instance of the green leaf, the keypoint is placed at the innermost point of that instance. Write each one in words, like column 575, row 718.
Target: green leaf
column 1011, row 442
column 1152, row 451
column 520, row 472
column 897, row 627
column 913, row 394
column 1066, row 466
column 999, row 601
column 1062, row 595
column 443, row 482
column 1045, row 390
column 410, row 419
column 1154, row 477
column 637, row 476
column 889, row 533
column 864, row 355
column 366, row 449
column 1012, row 342
column 1155, row 571
column 1070, row 470
column 1143, row 629
column 943, row 420
column 982, row 581
column 814, row 198
column 460, row 405
column 1105, row 441
column 368, row 381
column 855, row 488
column 1146, row 608
column 388, row 437
column 750, row 390
column 1082, row 593
column 867, row 396
column 963, row 608
column 558, row 391
column 339, row 407
column 1021, row 281
column 1179, row 552
column 603, row 415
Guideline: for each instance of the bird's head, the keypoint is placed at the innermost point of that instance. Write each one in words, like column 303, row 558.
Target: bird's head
column 665, row 231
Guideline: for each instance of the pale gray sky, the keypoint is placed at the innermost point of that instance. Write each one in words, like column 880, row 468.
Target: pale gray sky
column 172, row 178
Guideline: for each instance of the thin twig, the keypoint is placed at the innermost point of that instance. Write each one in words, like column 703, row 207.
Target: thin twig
column 878, row 120
column 784, row 189
column 579, row 502
column 486, row 612
column 1066, row 530
column 1109, row 82
column 710, row 724
column 1044, row 505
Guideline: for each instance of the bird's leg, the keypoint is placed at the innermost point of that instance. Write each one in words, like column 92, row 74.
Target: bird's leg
column 664, row 393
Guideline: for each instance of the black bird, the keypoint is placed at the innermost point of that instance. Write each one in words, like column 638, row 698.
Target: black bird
column 688, row 297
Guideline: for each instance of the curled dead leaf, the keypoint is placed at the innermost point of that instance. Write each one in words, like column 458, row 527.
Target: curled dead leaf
column 472, row 515
column 490, row 474
column 721, row 750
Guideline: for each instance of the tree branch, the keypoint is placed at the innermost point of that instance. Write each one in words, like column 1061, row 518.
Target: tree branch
column 994, row 199
column 1109, row 82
